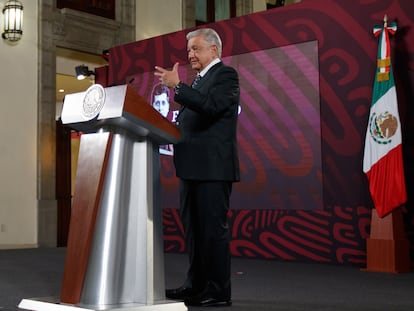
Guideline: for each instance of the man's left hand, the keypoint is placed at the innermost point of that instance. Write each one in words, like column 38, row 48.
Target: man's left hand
column 169, row 78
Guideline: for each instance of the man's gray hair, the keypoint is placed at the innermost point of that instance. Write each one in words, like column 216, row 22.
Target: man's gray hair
column 210, row 35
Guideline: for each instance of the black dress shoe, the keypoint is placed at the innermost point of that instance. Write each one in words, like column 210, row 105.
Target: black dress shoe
column 181, row 293
column 208, row 301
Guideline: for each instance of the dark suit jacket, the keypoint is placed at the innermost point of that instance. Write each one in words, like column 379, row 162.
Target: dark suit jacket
column 208, row 123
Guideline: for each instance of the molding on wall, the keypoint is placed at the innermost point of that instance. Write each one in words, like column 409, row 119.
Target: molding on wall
column 85, row 32
column 17, row 246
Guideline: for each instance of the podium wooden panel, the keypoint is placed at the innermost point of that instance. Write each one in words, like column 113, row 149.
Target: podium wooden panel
column 90, row 175
column 387, row 247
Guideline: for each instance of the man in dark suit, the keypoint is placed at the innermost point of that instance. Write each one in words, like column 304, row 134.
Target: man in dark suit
column 206, row 161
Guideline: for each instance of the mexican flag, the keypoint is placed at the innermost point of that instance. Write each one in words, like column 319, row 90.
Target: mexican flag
column 383, row 161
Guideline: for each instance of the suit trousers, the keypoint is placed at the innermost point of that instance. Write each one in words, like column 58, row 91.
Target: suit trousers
column 203, row 211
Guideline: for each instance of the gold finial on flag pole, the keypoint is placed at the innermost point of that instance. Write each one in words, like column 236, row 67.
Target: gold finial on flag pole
column 385, row 20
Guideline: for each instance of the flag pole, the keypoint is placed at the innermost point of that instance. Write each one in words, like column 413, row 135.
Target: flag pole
column 387, row 245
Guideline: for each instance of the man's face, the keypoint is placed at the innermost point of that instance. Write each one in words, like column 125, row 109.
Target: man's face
column 161, row 104
column 200, row 53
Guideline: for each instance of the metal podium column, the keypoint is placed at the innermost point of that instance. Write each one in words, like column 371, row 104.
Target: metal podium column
column 126, row 261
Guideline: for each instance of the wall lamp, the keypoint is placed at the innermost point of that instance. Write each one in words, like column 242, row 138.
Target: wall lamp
column 13, row 21
column 82, row 72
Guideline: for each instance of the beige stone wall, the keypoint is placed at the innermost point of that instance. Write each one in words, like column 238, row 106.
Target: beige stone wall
column 18, row 128
column 157, row 17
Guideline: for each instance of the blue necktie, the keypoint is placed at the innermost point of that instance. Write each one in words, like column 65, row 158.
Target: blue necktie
column 196, row 80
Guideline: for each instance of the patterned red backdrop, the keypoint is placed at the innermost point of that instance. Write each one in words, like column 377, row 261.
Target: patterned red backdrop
column 346, row 51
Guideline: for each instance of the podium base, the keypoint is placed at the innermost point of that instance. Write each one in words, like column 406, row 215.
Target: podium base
column 53, row 304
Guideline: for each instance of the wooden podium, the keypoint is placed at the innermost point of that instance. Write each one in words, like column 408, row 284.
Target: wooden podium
column 115, row 255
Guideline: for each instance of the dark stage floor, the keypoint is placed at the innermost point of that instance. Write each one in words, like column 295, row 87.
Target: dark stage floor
column 257, row 284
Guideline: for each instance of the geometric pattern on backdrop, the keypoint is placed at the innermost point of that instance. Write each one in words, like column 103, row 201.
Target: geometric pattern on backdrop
column 278, row 132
